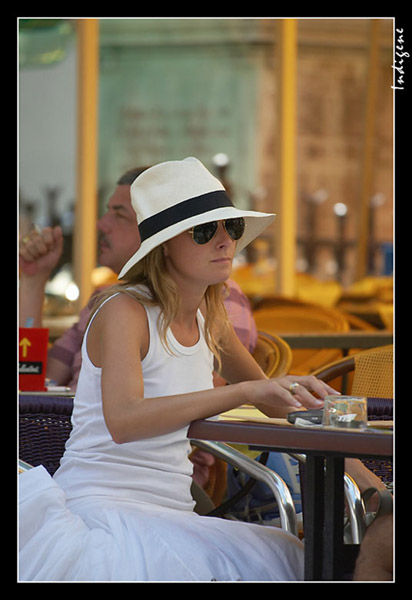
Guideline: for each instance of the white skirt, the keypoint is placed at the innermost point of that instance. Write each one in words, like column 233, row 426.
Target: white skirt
column 102, row 541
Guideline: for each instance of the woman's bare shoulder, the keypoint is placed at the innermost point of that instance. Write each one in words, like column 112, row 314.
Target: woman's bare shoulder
column 122, row 320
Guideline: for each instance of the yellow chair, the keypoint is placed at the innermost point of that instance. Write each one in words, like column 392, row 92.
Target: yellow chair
column 309, row 289
column 368, row 373
column 302, row 318
column 270, row 300
column 369, row 287
column 357, row 323
column 371, row 372
column 272, row 354
column 385, row 312
column 372, row 300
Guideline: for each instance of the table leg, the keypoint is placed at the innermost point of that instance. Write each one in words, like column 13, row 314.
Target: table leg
column 323, row 518
column 314, row 516
column 333, row 523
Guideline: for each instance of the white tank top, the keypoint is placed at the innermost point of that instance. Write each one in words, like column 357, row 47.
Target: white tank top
column 155, row 470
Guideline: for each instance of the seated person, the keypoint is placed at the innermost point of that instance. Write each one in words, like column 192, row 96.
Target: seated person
column 375, row 559
column 119, row 239
column 119, row 507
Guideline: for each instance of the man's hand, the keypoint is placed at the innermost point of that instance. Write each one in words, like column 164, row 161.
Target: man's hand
column 40, row 251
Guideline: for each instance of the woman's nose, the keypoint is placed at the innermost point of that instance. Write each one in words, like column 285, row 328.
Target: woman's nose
column 222, row 237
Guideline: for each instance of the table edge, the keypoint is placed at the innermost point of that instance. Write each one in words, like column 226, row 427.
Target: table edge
column 294, row 439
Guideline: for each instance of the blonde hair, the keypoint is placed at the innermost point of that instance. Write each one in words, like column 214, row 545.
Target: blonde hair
column 150, row 272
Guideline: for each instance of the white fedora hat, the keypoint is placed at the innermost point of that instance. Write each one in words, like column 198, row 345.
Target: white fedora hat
column 172, row 197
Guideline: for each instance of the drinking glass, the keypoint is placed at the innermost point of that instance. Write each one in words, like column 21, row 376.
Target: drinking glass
column 348, row 412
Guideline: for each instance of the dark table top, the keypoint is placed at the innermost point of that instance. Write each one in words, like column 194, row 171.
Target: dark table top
column 324, row 441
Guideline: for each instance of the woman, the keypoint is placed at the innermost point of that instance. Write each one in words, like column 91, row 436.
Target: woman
column 119, row 508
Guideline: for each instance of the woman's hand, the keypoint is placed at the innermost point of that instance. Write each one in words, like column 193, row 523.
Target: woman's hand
column 307, row 386
column 270, row 395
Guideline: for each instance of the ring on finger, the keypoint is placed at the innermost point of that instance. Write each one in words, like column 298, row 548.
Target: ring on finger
column 26, row 239
column 292, row 387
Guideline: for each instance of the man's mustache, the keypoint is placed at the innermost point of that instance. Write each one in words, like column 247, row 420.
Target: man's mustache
column 102, row 238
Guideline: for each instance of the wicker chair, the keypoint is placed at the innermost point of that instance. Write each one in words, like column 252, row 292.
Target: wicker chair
column 272, row 354
column 45, row 425
column 371, row 372
column 368, row 373
column 302, row 318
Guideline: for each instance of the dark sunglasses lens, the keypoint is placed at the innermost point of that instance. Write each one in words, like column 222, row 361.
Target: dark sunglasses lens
column 204, row 233
column 235, row 227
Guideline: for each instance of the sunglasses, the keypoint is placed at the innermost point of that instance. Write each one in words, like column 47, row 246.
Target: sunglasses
column 202, row 234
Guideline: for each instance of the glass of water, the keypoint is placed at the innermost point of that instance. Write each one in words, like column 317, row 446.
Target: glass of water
column 345, row 412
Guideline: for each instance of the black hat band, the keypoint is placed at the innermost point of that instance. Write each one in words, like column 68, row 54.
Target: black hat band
column 182, row 211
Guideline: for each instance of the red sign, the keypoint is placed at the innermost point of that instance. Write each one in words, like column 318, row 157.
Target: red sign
column 33, row 342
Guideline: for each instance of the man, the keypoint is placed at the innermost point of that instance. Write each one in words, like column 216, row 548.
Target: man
column 118, row 240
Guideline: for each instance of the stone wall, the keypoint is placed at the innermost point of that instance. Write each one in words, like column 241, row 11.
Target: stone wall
column 332, row 74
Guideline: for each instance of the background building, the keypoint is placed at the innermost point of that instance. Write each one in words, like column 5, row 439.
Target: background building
column 170, row 88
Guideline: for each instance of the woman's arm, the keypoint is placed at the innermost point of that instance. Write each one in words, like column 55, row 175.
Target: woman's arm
column 117, row 341
column 237, row 362
column 239, row 365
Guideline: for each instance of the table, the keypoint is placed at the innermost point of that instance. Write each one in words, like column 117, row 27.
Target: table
column 343, row 340
column 325, row 451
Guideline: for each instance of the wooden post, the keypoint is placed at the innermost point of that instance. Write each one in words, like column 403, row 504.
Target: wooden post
column 285, row 225
column 84, row 246
column 368, row 151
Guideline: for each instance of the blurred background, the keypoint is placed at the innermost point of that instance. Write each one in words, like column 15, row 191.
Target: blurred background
column 295, row 116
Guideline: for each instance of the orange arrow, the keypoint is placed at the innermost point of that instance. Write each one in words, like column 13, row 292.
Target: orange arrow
column 25, row 343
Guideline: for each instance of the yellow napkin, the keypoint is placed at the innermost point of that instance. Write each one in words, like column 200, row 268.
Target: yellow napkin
column 252, row 414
